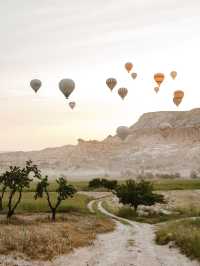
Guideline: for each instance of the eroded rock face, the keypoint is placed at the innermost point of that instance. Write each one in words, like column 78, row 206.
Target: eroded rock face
column 160, row 142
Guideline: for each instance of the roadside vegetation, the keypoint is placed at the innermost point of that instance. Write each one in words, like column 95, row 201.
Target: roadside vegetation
column 185, row 234
column 38, row 222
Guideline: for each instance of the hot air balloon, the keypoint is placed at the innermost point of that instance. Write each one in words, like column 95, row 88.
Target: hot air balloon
column 72, row 105
column 122, row 92
column 123, row 132
column 134, row 75
column 165, row 129
column 178, row 97
column 159, row 77
column 179, row 94
column 173, row 74
column 67, row 86
column 128, row 66
column 35, row 84
column 111, row 83
column 156, row 89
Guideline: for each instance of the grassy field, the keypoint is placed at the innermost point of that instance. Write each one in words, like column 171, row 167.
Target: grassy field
column 163, row 184
column 32, row 235
column 176, row 184
column 29, row 205
column 185, row 235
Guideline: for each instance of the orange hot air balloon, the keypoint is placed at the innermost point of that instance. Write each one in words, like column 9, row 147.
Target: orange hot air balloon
column 173, row 75
column 128, row 66
column 159, row 78
column 122, row 92
column 177, row 101
column 179, row 94
column 111, row 83
column 134, row 75
column 178, row 97
column 156, row 89
column 72, row 105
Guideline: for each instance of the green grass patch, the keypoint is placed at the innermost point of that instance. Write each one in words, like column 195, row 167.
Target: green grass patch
column 30, row 205
column 185, row 235
column 177, row 184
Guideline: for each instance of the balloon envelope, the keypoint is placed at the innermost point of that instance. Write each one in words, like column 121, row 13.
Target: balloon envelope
column 159, row 77
column 173, row 74
column 128, row 66
column 72, row 105
column 35, row 84
column 179, row 94
column 134, row 75
column 123, row 132
column 122, row 92
column 111, row 83
column 67, row 86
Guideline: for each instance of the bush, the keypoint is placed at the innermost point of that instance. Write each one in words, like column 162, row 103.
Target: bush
column 135, row 194
column 103, row 183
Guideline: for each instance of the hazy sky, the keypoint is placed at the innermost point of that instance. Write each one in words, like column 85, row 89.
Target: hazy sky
column 90, row 41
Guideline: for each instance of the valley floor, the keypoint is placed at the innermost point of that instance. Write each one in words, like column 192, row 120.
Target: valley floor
column 131, row 244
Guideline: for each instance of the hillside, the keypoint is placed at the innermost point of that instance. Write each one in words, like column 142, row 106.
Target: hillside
column 160, row 142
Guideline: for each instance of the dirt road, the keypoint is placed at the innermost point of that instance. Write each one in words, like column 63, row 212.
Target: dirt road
column 128, row 245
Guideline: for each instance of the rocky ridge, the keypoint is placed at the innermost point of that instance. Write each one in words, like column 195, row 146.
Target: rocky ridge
column 159, row 143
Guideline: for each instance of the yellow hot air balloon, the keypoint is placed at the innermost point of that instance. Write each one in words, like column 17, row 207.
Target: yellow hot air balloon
column 134, row 75
column 129, row 66
column 67, row 86
column 122, row 92
column 35, row 84
column 173, row 74
column 159, row 78
column 111, row 83
column 72, row 105
column 156, row 89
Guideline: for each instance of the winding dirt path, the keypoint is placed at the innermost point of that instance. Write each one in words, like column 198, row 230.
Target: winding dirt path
column 128, row 245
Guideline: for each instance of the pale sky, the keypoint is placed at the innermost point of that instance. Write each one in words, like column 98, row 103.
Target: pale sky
column 90, row 41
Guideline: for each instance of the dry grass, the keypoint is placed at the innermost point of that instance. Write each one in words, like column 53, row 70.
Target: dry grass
column 38, row 239
column 184, row 234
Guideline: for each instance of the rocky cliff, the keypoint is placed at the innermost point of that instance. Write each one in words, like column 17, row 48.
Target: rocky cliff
column 159, row 143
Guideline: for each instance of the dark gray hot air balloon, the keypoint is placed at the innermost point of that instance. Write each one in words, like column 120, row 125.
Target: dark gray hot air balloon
column 72, row 105
column 35, row 84
column 123, row 132
column 67, row 86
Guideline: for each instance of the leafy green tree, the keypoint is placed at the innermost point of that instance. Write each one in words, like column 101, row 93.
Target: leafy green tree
column 135, row 194
column 95, row 183
column 63, row 191
column 99, row 183
column 109, row 184
column 15, row 180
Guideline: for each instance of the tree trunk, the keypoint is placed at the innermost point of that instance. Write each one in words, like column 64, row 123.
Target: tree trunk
column 135, row 208
column 10, row 214
column 1, row 204
column 11, row 209
column 53, row 217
